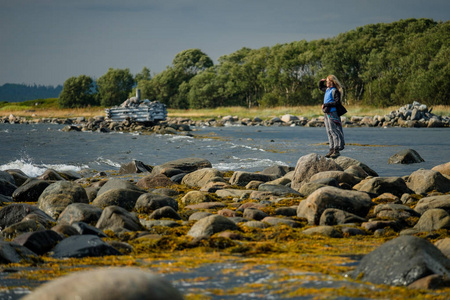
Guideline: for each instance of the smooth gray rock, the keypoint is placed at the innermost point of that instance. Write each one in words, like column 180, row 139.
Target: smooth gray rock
column 187, row 165
column 83, row 246
column 201, row 177
column 425, row 181
column 329, row 231
column 30, row 190
column 165, row 212
column 381, row 185
column 133, row 167
column 277, row 190
column 252, row 213
column 114, row 184
column 402, row 261
column 433, row 219
column 426, row 203
column 334, row 216
column 7, row 188
column 40, row 242
column 15, row 213
column 354, row 202
column 117, row 218
column 309, row 165
column 408, row 156
column 241, row 178
column 107, row 284
column 57, row 196
column 149, row 202
column 14, row 253
column 125, row 198
column 80, row 212
column 208, row 226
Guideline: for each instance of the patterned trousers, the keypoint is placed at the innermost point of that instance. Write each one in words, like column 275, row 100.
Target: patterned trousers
column 335, row 133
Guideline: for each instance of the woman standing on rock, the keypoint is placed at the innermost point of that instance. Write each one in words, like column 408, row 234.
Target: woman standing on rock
column 331, row 106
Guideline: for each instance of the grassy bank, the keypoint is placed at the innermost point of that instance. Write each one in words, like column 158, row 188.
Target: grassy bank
column 48, row 108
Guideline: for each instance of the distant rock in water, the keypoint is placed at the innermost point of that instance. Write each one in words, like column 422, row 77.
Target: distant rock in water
column 408, row 156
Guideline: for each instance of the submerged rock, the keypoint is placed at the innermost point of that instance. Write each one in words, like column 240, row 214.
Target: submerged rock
column 408, row 156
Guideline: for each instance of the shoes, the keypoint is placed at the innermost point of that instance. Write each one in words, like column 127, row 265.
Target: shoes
column 328, row 155
column 335, row 153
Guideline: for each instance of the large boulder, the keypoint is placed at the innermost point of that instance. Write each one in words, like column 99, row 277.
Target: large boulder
column 83, row 246
column 354, row 202
column 107, row 284
column 426, row 203
column 242, row 178
column 277, row 190
column 200, row 178
column 408, row 156
column 14, row 253
column 40, row 242
column 381, row 185
column 346, row 162
column 7, row 177
column 149, row 202
column 114, row 184
column 309, row 165
column 57, row 196
column 433, row 219
column 208, row 226
column 80, row 212
column 340, row 176
column 15, row 213
column 30, row 190
column 444, row 169
column 7, row 188
column 424, row 181
column 117, row 218
column 154, row 181
column 402, row 261
column 187, row 165
column 133, row 167
column 334, row 216
column 125, row 198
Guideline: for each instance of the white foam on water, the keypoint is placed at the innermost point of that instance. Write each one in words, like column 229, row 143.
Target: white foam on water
column 34, row 170
column 100, row 160
column 237, row 163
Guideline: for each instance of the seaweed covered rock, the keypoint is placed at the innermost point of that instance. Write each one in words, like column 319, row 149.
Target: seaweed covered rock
column 57, row 196
column 402, row 261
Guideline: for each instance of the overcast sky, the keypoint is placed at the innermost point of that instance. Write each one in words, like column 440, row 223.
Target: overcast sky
column 45, row 42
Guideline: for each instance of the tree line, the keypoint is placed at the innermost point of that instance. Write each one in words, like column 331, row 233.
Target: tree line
column 379, row 65
column 13, row 92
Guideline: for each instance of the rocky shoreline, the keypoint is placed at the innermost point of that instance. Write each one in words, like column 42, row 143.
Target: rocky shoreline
column 186, row 204
column 410, row 115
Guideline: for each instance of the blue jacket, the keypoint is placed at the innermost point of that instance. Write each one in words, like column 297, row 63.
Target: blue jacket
column 332, row 97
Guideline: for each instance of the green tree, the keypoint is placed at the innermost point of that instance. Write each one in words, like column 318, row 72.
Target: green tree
column 114, row 86
column 77, row 92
